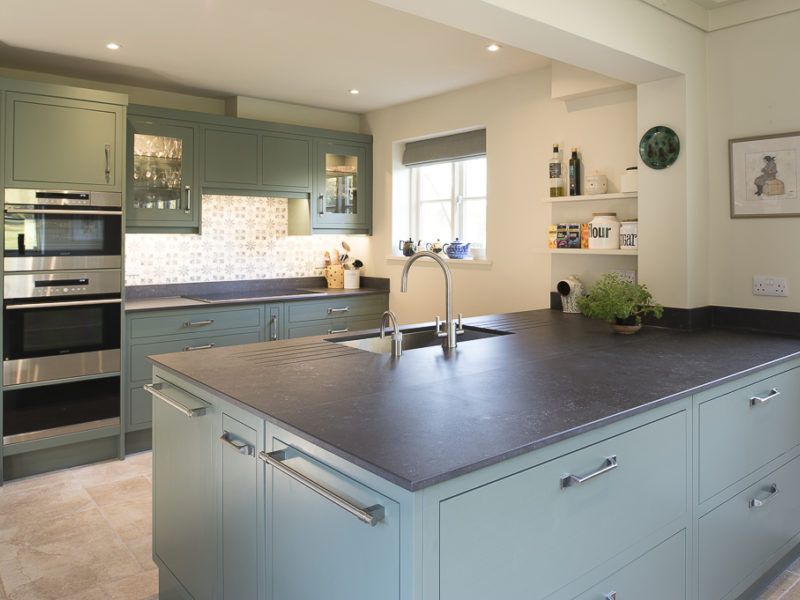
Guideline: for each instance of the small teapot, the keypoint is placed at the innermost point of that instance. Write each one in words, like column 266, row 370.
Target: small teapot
column 434, row 246
column 456, row 249
column 408, row 247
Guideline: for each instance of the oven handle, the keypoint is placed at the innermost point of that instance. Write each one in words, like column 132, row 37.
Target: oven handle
column 71, row 303
column 62, row 211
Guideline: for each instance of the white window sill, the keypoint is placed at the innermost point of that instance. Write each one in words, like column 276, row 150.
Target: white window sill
column 452, row 262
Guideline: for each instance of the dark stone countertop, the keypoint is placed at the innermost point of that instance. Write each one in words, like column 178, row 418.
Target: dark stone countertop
column 431, row 415
column 185, row 295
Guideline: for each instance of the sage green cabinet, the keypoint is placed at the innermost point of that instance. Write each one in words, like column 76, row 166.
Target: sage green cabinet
column 162, row 190
column 342, row 195
column 286, row 162
column 231, row 158
column 335, row 315
column 64, row 143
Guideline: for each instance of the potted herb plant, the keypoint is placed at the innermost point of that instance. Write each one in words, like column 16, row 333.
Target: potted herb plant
column 620, row 303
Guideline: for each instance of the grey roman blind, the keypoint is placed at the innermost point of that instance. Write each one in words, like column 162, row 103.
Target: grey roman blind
column 459, row 146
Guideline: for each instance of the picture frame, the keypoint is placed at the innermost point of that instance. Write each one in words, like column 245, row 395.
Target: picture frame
column 764, row 172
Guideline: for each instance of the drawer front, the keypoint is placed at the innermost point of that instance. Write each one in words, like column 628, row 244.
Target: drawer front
column 737, row 541
column 660, row 574
column 196, row 321
column 334, row 326
column 489, row 536
column 737, row 436
column 334, row 308
column 140, row 368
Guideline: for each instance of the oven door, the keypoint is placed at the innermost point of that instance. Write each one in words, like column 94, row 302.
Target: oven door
column 55, row 339
column 38, row 237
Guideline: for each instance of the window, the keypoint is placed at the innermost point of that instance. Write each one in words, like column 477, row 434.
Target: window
column 448, row 201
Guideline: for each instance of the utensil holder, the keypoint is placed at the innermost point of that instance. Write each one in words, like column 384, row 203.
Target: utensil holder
column 352, row 279
column 334, row 275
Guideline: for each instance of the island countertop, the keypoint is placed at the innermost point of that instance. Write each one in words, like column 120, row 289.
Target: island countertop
column 431, row 415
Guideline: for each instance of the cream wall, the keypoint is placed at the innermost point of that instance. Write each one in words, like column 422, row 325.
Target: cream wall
column 753, row 90
column 522, row 121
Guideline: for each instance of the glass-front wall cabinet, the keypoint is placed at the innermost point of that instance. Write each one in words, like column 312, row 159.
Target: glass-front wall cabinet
column 341, row 177
column 161, row 190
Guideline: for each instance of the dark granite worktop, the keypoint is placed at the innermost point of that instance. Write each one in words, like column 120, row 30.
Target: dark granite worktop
column 193, row 295
column 431, row 415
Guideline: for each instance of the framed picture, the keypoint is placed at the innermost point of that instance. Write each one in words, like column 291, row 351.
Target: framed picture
column 764, row 175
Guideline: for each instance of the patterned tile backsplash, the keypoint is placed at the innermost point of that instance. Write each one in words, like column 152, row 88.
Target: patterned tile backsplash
column 242, row 238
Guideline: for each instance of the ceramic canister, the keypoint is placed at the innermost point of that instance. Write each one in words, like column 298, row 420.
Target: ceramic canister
column 629, row 234
column 596, row 184
column 604, row 231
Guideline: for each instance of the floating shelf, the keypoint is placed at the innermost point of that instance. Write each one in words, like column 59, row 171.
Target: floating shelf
column 592, row 197
column 588, row 251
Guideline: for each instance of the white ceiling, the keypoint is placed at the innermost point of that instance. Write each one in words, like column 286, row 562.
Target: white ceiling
column 308, row 52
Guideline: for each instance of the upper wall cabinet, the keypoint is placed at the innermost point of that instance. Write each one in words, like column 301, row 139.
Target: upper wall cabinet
column 162, row 194
column 342, row 197
column 63, row 142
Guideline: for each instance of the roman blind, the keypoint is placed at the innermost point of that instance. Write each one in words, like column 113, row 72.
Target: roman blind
column 459, row 146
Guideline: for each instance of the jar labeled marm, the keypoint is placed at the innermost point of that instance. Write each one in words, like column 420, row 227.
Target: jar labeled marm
column 604, row 231
column 629, row 234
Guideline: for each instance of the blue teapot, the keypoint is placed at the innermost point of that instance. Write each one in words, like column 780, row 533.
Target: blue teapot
column 456, row 249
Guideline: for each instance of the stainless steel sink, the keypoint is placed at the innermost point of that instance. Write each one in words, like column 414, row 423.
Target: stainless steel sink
column 417, row 337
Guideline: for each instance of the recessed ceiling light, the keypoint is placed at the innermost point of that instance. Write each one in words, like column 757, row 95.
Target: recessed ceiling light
column 113, row 46
column 355, row 92
column 493, row 47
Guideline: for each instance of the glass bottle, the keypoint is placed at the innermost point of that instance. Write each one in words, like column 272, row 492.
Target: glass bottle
column 556, row 183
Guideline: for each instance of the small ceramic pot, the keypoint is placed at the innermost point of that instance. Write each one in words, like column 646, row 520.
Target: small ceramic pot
column 596, row 184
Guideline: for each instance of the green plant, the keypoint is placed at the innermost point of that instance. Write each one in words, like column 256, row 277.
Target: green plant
column 612, row 298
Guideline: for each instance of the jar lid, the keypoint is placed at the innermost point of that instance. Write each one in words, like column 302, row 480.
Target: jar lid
column 608, row 214
column 630, row 220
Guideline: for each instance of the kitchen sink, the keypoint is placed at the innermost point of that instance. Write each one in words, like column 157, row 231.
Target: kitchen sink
column 417, row 337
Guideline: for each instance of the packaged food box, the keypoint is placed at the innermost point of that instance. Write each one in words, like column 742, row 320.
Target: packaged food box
column 561, row 235
column 584, row 235
column 551, row 236
column 574, row 235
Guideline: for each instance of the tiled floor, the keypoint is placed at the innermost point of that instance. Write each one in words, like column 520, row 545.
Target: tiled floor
column 85, row 534
column 79, row 534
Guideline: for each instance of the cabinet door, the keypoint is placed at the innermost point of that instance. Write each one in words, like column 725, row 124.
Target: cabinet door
column 184, row 493
column 161, row 190
column 342, row 184
column 56, row 142
column 319, row 549
column 239, row 510
column 286, row 163
column 231, row 158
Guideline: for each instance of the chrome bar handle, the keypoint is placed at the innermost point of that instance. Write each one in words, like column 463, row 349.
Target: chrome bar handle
column 68, row 303
column 611, row 596
column 203, row 347
column 755, row 400
column 62, row 211
column 756, row 503
column 273, row 326
column 345, row 330
column 188, row 199
column 338, row 310
column 108, row 160
column 321, row 204
column 155, row 390
column 198, row 323
column 370, row 515
column 571, row 480
column 237, row 445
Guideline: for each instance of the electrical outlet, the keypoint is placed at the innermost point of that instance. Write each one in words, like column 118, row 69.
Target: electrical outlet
column 770, row 286
column 626, row 274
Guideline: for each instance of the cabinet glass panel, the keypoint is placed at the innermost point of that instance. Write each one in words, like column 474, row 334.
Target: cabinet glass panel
column 158, row 172
column 341, row 184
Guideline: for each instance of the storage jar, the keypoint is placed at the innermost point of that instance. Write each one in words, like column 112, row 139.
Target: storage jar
column 629, row 234
column 604, row 231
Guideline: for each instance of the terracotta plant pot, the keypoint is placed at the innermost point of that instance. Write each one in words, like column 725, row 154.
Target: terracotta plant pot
column 626, row 329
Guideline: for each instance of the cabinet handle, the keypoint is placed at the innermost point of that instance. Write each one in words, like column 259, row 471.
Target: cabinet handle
column 321, row 204
column 611, row 596
column 758, row 503
column 108, row 160
column 370, row 515
column 338, row 310
column 237, row 445
column 345, row 330
column 273, row 327
column 198, row 323
column 756, row 400
column 155, row 390
column 570, row 480
column 203, row 347
column 188, row 200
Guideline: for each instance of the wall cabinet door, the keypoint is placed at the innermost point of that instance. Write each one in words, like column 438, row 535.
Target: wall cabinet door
column 162, row 195
column 231, row 158
column 62, row 143
column 342, row 196
column 286, row 163
column 184, row 492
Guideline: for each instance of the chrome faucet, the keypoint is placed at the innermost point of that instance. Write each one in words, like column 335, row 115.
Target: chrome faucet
column 397, row 335
column 450, row 326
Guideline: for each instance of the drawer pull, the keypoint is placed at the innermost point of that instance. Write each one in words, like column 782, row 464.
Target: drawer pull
column 370, row 515
column 237, row 445
column 611, row 596
column 203, row 347
column 758, row 503
column 345, row 330
column 338, row 310
column 155, row 390
column 273, row 326
column 755, row 400
column 198, row 323
column 570, row 480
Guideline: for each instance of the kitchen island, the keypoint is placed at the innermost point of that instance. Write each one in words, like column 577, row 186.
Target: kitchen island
column 550, row 462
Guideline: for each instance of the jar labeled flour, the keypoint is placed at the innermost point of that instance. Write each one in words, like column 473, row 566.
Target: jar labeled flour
column 629, row 234
column 604, row 231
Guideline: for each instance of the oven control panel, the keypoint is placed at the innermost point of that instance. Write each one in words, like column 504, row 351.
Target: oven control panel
column 45, row 285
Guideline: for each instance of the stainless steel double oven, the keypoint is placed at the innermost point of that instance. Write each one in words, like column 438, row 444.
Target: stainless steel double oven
column 61, row 312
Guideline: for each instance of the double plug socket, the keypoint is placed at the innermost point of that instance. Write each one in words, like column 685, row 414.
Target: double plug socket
column 770, row 286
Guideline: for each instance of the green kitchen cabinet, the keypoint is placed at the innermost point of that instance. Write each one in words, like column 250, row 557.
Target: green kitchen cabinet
column 231, row 158
column 286, row 162
column 63, row 142
column 342, row 194
column 334, row 315
column 162, row 190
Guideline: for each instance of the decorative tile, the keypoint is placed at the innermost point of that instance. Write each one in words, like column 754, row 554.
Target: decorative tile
column 242, row 238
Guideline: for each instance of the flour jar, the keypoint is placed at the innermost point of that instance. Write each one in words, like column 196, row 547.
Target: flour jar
column 604, row 231
column 629, row 234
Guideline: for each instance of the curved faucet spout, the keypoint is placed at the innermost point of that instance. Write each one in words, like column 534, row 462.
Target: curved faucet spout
column 448, row 282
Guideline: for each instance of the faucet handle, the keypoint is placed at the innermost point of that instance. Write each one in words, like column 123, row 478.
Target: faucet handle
column 460, row 328
column 438, row 329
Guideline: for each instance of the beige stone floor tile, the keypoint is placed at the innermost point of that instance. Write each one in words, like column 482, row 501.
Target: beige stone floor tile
column 142, row 549
column 113, row 470
column 143, row 586
column 131, row 520
column 778, row 588
column 133, row 489
column 92, row 594
column 57, row 584
column 25, row 504
column 35, row 482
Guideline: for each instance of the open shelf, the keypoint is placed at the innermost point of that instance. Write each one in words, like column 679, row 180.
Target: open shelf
column 592, row 197
column 587, row 251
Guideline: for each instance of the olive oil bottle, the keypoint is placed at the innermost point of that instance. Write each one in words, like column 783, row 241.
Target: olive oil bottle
column 574, row 174
column 556, row 182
